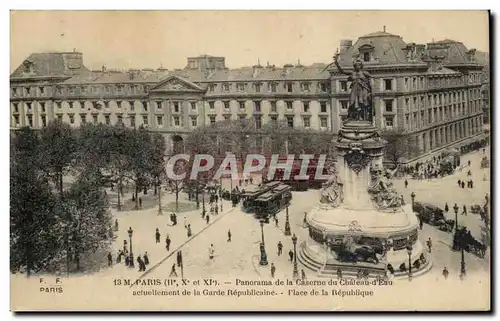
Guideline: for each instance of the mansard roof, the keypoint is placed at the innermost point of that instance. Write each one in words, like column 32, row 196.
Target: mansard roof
column 51, row 64
column 388, row 49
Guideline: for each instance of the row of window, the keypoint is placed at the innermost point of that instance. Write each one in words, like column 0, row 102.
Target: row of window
column 437, row 114
column 272, row 87
column 176, row 120
column 176, row 105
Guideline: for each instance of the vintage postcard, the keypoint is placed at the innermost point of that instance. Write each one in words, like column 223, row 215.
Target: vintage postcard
column 250, row 161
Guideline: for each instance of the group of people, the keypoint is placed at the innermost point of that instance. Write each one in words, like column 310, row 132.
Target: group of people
column 142, row 260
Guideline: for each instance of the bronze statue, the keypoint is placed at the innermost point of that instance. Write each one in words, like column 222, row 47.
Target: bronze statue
column 360, row 102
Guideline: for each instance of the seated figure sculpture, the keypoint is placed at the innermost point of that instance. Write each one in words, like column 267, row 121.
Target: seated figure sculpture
column 382, row 191
column 331, row 192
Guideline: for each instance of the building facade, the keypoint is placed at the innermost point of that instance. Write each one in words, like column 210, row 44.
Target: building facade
column 429, row 92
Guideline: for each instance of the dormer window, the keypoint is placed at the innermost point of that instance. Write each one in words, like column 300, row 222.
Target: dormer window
column 366, row 52
column 225, row 87
column 28, row 66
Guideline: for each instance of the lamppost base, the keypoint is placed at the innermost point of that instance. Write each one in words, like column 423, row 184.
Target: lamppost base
column 295, row 272
column 160, row 212
column 263, row 255
column 288, row 232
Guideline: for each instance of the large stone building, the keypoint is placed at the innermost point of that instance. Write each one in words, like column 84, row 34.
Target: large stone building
column 429, row 92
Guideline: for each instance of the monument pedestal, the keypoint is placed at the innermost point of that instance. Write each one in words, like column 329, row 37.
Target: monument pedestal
column 365, row 228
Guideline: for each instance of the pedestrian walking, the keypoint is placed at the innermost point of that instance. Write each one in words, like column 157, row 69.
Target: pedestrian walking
column 403, row 200
column 157, row 235
column 229, row 235
column 276, row 221
column 446, row 208
column 127, row 260
column 302, row 274
column 445, row 272
column 406, row 183
column 167, row 242
column 221, row 206
column 185, row 222
column 429, row 245
column 464, row 211
column 486, row 198
column 207, row 218
column 119, row 257
column 468, row 162
column 189, row 232
column 146, row 258
column 211, row 251
column 142, row 267
column 116, row 224
column 339, row 273
column 463, row 184
column 172, row 271
column 140, row 202
column 471, row 183
column 459, row 183
column 273, row 270
column 110, row 259
column 290, row 254
column 280, row 248
column 421, row 222
column 304, row 220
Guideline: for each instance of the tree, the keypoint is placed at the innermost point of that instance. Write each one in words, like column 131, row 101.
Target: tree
column 158, row 147
column 399, row 146
column 32, row 241
column 57, row 151
column 140, row 154
column 178, row 185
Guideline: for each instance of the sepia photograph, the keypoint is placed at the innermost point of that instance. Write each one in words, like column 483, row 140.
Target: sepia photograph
column 250, row 161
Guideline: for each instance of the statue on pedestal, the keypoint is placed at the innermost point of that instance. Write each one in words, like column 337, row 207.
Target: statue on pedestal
column 382, row 191
column 360, row 101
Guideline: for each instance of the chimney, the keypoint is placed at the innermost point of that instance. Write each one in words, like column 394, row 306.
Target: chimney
column 256, row 70
column 384, row 28
column 103, row 68
column 345, row 45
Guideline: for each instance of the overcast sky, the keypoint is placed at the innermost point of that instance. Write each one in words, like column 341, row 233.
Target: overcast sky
column 147, row 39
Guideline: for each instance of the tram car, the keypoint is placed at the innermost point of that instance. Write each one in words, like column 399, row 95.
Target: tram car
column 272, row 202
column 251, row 193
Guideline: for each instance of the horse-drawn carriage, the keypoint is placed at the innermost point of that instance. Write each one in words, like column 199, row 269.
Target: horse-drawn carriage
column 485, row 163
column 469, row 243
column 433, row 215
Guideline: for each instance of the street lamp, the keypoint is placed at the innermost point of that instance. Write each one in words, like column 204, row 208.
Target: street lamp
column 160, row 211
column 412, row 200
column 456, row 241
column 409, row 248
column 197, row 195
column 130, row 232
column 295, row 271
column 263, row 255
column 287, row 223
column 203, row 200
column 463, row 271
